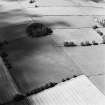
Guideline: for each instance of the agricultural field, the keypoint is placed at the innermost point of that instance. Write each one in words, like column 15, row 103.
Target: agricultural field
column 37, row 61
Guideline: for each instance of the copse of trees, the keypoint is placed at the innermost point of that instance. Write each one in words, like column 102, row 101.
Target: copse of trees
column 94, row 42
column 68, row 78
column 20, row 97
column 87, row 43
column 6, row 62
column 36, row 30
column 42, row 88
column 69, row 44
column 82, row 44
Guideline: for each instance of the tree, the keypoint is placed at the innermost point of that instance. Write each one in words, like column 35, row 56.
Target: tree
column 36, row 30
